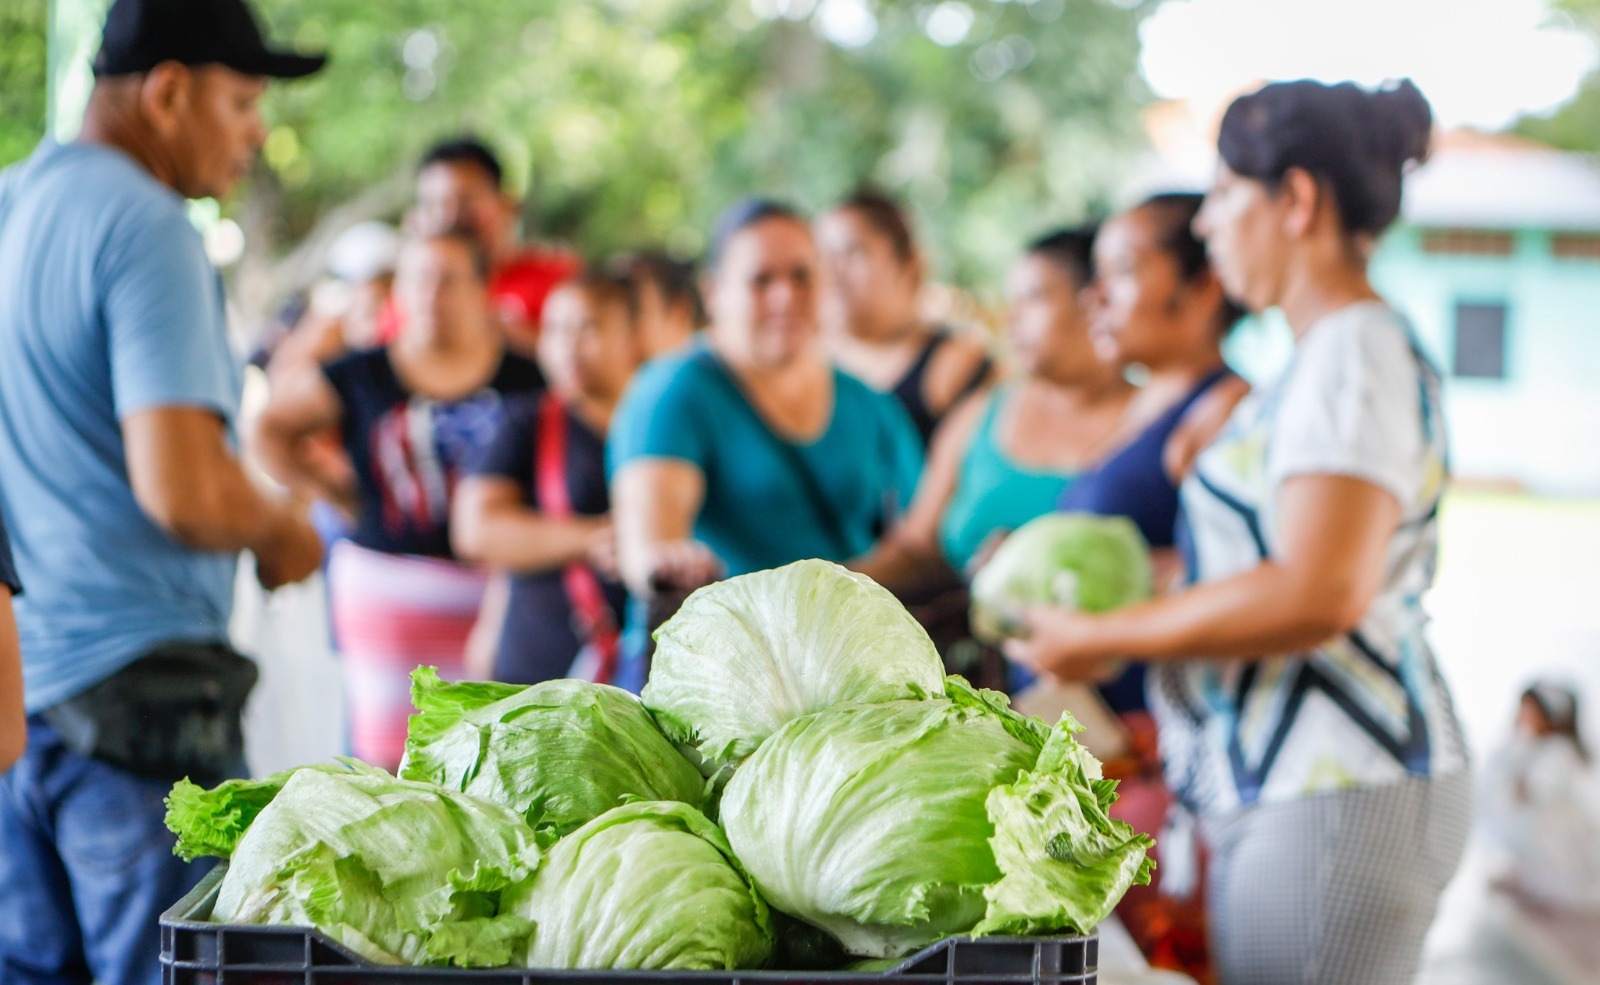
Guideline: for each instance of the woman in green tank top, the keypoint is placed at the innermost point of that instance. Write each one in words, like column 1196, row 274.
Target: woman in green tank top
column 1002, row 458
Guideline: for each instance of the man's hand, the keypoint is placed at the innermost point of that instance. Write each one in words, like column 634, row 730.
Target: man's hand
column 293, row 552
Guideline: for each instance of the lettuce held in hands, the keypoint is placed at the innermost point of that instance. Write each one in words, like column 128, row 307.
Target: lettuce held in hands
column 744, row 656
column 1079, row 560
column 647, row 886
column 399, row 872
column 560, row 753
column 893, row 825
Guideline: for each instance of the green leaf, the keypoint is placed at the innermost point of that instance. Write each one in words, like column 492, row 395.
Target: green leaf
column 650, row 886
column 560, row 753
column 869, row 821
column 1065, row 863
column 744, row 656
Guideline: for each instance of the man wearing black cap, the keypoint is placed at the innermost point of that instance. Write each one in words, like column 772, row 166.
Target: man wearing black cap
column 127, row 502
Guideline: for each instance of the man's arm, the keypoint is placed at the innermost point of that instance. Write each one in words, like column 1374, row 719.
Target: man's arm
column 187, row 480
column 13, row 720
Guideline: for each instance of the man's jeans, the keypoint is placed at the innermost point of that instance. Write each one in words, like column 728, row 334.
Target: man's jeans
column 86, row 869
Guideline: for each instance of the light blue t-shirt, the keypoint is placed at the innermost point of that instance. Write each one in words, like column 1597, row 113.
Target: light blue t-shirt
column 108, row 307
column 757, row 512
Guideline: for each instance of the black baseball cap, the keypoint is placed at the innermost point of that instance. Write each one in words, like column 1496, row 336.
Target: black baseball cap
column 141, row 34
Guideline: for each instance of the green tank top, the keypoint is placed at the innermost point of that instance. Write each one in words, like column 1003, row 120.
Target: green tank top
column 993, row 492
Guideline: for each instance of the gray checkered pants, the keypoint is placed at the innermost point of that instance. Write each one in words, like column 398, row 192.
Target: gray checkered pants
column 1335, row 889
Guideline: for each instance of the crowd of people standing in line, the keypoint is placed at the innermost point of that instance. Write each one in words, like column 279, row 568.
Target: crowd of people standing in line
column 523, row 464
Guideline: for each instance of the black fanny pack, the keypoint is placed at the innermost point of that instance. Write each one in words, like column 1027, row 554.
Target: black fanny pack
column 173, row 712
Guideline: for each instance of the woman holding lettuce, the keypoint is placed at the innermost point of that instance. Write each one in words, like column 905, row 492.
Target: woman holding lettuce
column 1303, row 717
column 747, row 449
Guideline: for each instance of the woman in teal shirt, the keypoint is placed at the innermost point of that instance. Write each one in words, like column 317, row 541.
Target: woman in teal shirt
column 748, row 450
column 1003, row 458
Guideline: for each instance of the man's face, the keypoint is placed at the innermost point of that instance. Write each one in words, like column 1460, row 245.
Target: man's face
column 461, row 195
column 217, row 131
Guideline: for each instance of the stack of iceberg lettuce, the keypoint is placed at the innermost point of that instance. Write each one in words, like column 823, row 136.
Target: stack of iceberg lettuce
column 799, row 771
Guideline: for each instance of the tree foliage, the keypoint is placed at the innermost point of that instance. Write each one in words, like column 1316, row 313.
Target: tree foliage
column 23, row 70
column 630, row 121
column 1575, row 126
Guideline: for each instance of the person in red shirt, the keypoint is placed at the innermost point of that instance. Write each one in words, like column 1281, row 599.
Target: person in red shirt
column 461, row 186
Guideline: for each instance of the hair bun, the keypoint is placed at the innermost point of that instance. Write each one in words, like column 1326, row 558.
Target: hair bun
column 1402, row 115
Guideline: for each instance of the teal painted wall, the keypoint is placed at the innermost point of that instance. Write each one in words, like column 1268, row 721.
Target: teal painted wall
column 1540, row 425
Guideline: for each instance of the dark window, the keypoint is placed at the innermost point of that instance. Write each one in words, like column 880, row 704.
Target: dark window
column 1480, row 340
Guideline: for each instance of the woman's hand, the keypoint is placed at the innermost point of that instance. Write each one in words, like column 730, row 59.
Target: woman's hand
column 679, row 566
column 1064, row 644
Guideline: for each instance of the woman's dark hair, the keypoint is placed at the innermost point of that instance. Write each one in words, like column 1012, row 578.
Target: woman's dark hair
column 1356, row 142
column 1559, row 705
column 465, row 150
column 607, row 286
column 886, row 216
column 674, row 278
column 741, row 215
column 1174, row 213
column 1072, row 250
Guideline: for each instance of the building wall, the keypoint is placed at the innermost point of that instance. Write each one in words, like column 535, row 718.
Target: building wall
column 1539, row 426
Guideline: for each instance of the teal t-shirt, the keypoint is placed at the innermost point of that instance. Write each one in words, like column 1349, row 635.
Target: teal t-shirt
column 994, row 492
column 757, row 512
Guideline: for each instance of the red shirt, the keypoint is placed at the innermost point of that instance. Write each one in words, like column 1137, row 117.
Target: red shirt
column 517, row 289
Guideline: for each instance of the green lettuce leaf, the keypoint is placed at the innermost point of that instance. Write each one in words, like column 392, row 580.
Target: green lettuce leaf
column 744, row 656
column 1064, row 862
column 560, row 753
column 380, row 865
column 211, row 822
column 869, row 821
column 651, row 886
column 1079, row 560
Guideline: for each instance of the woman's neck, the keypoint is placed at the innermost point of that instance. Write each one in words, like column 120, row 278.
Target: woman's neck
column 880, row 357
column 1072, row 395
column 594, row 410
column 1315, row 290
column 1172, row 380
column 446, row 366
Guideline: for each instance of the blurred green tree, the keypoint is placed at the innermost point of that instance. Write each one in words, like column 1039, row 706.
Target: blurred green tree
column 1575, row 126
column 23, row 69
column 629, row 121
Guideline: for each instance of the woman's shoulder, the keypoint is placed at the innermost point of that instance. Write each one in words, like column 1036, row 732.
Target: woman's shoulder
column 668, row 384
column 362, row 370
column 1367, row 328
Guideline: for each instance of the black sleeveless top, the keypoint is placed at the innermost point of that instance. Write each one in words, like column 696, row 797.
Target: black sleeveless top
column 909, row 391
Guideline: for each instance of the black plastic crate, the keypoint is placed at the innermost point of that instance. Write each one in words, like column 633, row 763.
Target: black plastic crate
column 195, row 951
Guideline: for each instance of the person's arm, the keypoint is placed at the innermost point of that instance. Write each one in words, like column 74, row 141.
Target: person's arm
column 13, row 718
column 960, row 368
column 304, row 406
column 187, row 481
column 1335, row 535
column 909, row 554
column 654, row 504
column 490, row 524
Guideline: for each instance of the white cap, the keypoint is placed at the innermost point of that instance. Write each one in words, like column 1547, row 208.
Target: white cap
column 364, row 251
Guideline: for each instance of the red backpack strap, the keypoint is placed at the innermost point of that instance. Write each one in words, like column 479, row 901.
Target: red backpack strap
column 584, row 593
